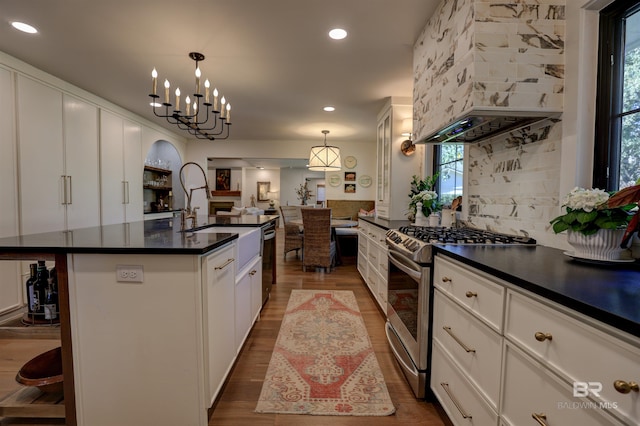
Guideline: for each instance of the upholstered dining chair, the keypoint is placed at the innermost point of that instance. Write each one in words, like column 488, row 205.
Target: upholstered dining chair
column 318, row 249
column 292, row 232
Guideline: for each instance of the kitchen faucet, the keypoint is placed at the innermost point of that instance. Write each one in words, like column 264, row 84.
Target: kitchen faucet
column 190, row 213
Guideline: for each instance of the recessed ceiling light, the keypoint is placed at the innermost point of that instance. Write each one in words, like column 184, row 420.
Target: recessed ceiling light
column 337, row 33
column 329, row 108
column 26, row 28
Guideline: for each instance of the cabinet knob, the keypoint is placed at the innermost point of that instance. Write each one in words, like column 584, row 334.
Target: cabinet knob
column 541, row 337
column 446, row 280
column 471, row 294
column 540, row 418
column 626, row 387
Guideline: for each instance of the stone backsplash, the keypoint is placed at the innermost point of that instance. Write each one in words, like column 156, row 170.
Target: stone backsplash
column 513, row 182
column 496, row 54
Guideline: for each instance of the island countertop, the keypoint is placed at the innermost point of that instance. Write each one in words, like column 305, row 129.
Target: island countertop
column 159, row 236
column 608, row 293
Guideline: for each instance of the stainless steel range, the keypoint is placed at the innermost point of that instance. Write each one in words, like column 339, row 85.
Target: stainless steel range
column 409, row 290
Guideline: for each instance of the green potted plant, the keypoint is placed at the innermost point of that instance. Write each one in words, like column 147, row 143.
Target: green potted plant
column 594, row 227
column 422, row 191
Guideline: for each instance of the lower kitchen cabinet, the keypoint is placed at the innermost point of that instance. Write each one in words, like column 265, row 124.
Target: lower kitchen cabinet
column 248, row 283
column 501, row 353
column 220, row 307
column 372, row 260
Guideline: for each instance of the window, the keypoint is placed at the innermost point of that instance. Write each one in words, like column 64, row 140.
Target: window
column 617, row 146
column 448, row 162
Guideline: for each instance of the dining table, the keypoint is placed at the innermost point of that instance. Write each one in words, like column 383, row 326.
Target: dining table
column 335, row 223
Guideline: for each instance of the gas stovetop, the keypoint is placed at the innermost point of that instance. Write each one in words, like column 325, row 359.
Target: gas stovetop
column 415, row 241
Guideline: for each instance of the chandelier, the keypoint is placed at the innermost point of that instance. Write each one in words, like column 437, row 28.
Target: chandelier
column 324, row 158
column 204, row 120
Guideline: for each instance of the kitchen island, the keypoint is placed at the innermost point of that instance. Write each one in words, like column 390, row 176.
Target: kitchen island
column 152, row 348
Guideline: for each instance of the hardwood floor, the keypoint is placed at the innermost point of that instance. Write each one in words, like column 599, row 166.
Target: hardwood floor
column 239, row 397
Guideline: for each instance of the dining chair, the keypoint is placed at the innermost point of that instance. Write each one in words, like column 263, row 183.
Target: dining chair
column 318, row 248
column 292, row 232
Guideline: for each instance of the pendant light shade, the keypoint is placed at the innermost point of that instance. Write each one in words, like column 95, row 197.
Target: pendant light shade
column 325, row 158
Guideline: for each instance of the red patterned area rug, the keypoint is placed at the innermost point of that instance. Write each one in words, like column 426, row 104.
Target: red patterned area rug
column 323, row 362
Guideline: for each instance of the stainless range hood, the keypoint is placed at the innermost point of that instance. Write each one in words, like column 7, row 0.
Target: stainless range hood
column 482, row 124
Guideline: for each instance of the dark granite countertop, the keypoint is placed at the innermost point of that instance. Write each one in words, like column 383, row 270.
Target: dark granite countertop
column 385, row 223
column 608, row 293
column 159, row 236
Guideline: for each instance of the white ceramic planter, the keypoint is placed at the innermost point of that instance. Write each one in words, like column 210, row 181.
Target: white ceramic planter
column 603, row 245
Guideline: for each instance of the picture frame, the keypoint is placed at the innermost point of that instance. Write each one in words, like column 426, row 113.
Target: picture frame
column 350, row 188
column 263, row 190
column 223, row 179
column 349, row 176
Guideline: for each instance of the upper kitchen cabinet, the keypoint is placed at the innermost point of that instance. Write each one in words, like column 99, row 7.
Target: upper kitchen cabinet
column 122, row 169
column 395, row 169
column 58, row 159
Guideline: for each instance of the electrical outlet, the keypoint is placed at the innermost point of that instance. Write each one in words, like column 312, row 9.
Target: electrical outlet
column 129, row 274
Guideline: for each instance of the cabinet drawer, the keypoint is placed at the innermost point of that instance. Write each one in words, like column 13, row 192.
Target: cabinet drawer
column 457, row 396
column 478, row 294
column 530, row 388
column 475, row 347
column 576, row 351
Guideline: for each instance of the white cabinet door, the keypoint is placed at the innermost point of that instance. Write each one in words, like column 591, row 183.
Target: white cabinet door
column 256, row 289
column 121, row 169
column 219, row 309
column 10, row 284
column 112, row 182
column 133, row 171
column 40, row 148
column 81, row 163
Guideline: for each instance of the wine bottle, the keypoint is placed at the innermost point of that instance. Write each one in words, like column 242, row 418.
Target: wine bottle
column 50, row 301
column 30, row 283
column 39, row 288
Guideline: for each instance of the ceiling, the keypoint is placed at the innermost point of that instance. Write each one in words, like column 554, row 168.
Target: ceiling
column 272, row 59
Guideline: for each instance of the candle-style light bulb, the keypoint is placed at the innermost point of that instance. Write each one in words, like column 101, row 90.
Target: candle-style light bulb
column 154, row 81
column 215, row 99
column 166, row 91
column 223, row 109
column 177, row 99
column 229, row 113
column 206, row 90
column 188, row 102
column 198, row 74
column 195, row 112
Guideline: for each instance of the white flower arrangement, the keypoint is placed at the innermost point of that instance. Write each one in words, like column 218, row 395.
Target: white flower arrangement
column 585, row 199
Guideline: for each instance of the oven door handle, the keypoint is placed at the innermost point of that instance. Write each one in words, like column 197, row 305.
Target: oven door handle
column 388, row 328
column 407, row 266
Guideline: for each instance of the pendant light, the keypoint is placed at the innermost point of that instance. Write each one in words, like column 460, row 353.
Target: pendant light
column 324, row 158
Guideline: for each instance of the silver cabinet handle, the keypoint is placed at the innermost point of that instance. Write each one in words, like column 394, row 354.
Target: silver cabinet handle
column 224, row 265
column 453, row 399
column 70, row 192
column 458, row 341
column 64, row 189
column 127, row 188
column 124, row 192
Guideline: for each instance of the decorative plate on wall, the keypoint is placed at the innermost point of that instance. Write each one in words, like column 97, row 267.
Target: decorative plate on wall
column 335, row 180
column 350, row 162
column 365, row 181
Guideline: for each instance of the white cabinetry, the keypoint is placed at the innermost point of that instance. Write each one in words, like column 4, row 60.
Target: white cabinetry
column 10, row 284
column 372, row 260
column 395, row 170
column 219, row 301
column 502, row 352
column 121, row 169
column 58, row 154
column 248, row 283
